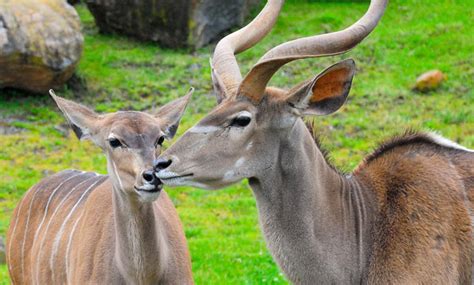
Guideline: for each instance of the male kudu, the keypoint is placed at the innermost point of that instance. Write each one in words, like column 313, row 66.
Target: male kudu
column 78, row 227
column 403, row 217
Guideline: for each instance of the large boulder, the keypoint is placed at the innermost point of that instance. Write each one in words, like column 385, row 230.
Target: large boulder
column 40, row 43
column 172, row 23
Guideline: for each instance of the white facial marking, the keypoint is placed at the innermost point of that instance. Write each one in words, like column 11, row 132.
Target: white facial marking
column 114, row 170
column 147, row 187
column 165, row 174
column 203, row 129
column 249, row 145
column 446, row 142
column 244, row 114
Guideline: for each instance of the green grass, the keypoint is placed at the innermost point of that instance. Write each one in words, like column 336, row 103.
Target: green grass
column 222, row 227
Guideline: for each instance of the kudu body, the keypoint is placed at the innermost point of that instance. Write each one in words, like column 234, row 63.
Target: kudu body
column 404, row 216
column 79, row 227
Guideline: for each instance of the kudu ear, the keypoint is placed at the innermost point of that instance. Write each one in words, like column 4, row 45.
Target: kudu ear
column 326, row 93
column 217, row 84
column 172, row 112
column 83, row 121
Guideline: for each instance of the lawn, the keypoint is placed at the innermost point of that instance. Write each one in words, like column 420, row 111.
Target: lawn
column 117, row 73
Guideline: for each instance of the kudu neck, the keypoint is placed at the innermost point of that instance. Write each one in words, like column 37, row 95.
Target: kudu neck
column 139, row 249
column 311, row 214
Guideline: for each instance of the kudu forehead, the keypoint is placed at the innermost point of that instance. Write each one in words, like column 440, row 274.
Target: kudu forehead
column 226, row 110
column 136, row 128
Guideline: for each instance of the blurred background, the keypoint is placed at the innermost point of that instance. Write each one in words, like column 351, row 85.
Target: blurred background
column 416, row 70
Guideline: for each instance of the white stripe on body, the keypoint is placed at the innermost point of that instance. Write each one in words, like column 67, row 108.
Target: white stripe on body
column 13, row 233
column 49, row 224
column 57, row 240
column 26, row 231
column 69, row 246
column 47, row 205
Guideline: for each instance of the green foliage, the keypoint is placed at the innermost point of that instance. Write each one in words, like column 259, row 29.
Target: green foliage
column 222, row 228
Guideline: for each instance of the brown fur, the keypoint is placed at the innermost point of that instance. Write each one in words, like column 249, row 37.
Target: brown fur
column 84, row 228
column 90, row 257
column 424, row 213
column 424, row 193
column 404, row 217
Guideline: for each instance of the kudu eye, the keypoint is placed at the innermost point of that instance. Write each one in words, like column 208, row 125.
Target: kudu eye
column 115, row 143
column 240, row 121
column 159, row 141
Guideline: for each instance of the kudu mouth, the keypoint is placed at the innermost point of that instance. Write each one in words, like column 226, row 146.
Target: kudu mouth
column 167, row 176
column 154, row 187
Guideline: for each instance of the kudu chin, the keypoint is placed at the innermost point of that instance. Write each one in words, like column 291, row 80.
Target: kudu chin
column 404, row 216
column 78, row 227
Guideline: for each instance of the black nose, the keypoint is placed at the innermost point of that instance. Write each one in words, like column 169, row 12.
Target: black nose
column 148, row 176
column 161, row 163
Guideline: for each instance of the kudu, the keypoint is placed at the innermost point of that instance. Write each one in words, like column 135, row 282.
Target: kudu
column 403, row 217
column 78, row 227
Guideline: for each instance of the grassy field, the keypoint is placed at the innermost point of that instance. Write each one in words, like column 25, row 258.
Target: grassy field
column 222, row 227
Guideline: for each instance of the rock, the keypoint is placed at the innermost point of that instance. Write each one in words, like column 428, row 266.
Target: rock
column 40, row 43
column 211, row 19
column 172, row 23
column 429, row 80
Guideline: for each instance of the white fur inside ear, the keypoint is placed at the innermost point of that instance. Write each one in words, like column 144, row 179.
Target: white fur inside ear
column 85, row 136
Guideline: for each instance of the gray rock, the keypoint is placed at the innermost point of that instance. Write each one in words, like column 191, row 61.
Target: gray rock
column 172, row 23
column 213, row 18
column 40, row 43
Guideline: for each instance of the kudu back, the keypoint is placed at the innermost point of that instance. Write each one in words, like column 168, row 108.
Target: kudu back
column 78, row 227
column 404, row 216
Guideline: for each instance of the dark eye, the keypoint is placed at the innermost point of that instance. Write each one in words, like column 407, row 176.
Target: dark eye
column 159, row 141
column 240, row 121
column 115, row 143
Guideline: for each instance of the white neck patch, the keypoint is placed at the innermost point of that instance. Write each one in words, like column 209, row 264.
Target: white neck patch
column 446, row 142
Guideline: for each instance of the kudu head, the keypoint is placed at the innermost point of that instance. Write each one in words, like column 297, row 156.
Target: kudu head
column 130, row 140
column 241, row 137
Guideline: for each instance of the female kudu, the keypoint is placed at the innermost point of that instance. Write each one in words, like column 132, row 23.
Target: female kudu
column 403, row 217
column 79, row 227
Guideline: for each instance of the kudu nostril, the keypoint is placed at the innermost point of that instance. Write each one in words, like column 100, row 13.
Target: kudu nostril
column 161, row 163
column 148, row 176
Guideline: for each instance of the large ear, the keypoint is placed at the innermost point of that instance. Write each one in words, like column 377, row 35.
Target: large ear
column 172, row 112
column 83, row 121
column 218, row 86
column 326, row 93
